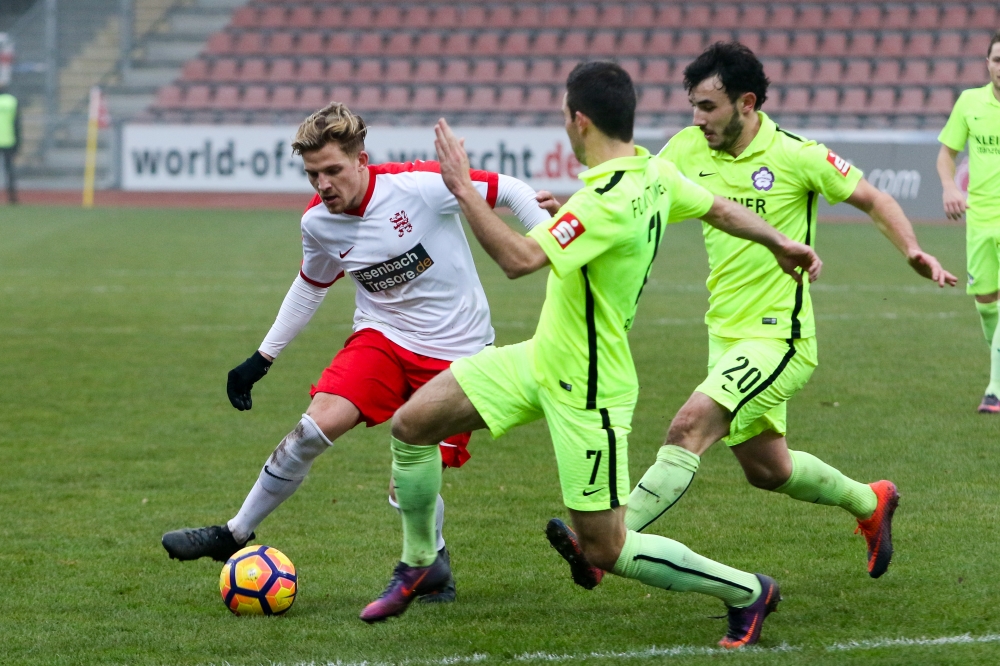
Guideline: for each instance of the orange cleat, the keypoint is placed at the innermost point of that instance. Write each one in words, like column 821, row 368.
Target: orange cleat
column 878, row 528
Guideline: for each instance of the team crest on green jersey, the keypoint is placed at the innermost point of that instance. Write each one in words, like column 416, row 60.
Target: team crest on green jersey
column 763, row 179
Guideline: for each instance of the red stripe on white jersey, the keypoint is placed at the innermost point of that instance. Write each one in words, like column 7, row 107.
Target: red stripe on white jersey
column 320, row 284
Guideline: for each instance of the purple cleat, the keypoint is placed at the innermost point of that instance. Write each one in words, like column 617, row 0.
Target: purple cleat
column 407, row 583
column 745, row 623
column 989, row 405
column 564, row 540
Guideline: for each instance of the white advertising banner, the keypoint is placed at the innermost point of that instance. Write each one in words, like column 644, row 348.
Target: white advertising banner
column 249, row 158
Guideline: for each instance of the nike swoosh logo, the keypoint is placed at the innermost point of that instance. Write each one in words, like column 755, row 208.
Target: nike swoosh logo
column 726, row 390
column 344, row 254
column 648, row 490
column 703, row 174
column 588, row 493
column 407, row 591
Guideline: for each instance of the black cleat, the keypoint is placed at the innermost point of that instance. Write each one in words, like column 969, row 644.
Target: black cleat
column 564, row 540
column 215, row 541
column 446, row 592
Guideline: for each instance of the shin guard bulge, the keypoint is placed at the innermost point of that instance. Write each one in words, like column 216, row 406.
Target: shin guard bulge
column 661, row 486
column 416, row 471
column 281, row 476
column 814, row 481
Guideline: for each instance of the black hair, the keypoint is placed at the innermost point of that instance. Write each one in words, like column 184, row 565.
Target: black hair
column 736, row 66
column 603, row 92
column 993, row 40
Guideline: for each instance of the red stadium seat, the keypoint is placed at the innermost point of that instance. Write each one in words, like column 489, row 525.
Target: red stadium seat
column 372, row 44
column 840, row 17
column 368, row 98
column 977, row 44
column 284, row 98
column 825, row 100
column 643, row 15
column 955, row 17
column 303, row 16
column 801, row 71
column 168, row 97
column 669, row 15
column 282, row 70
column 883, row 101
column 273, row 17
column 726, row 17
column 281, row 43
column 256, row 98
column 949, row 44
column 887, row 72
column 690, row 43
column 398, row 70
column 586, row 16
column 603, row 43
column 425, row 98
column 502, row 16
column 633, row 43
column 314, row 98
column 427, row 44
column 429, row 70
column 456, row 70
column 862, row 45
column 515, row 71
column 574, row 43
column 661, row 42
column 613, row 15
column 488, row 44
column 516, row 44
column 253, row 69
column 891, row 45
column 543, row 70
column 795, row 100
column 226, row 97
column 342, row 94
column 445, row 16
column 868, row 16
column 458, row 44
column 983, row 16
column 921, row 45
column 652, row 99
column 531, row 16
column 834, row 45
column 454, row 98
column 369, row 71
column 945, row 72
column 399, row 44
column 248, row 43
column 927, row 17
column 396, row 98
column 540, row 99
column 483, row 98
column 224, row 69
column 752, row 39
column 389, row 17
column 911, row 101
column 331, row 16
column 697, row 16
column 314, row 43
column 857, row 72
column 360, row 16
column 811, row 17
column 483, row 71
column 915, row 71
column 782, row 16
column 753, row 15
column 656, row 72
column 855, row 101
column 776, row 43
column 245, row 17
column 632, row 66
column 678, row 101
column 719, row 36
column 473, row 16
column 546, row 43
column 511, row 98
column 219, row 42
column 774, row 69
column 897, row 17
column 940, row 101
column 974, row 72
column 195, row 70
column 418, row 17
column 339, row 70
column 830, row 72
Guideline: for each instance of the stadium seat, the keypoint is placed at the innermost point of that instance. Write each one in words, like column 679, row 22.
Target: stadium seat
column 854, row 100
column 368, row 98
column 399, row 44
column 303, row 16
column 834, row 46
column 863, row 45
column 168, row 97
column 752, row 39
column 389, row 17
column 398, row 70
column 396, row 98
column 252, row 70
column 955, row 17
column 314, row 98
column 795, row 100
column 330, row 16
column 974, row 72
column 425, row 98
column 868, row 16
column 248, row 43
column 372, row 43
column 454, row 98
column 690, row 43
column 473, row 16
column 660, row 41
column 281, row 43
column 726, row 17
column 586, row 16
column 777, row 43
column 811, row 17
column 945, row 72
column 602, row 43
column 715, row 36
column 825, row 100
column 224, row 69
column 830, row 72
column 632, row 43
column 244, row 17
column 543, row 70
column 668, row 15
column 883, row 101
column 656, row 71
column 886, row 72
column 445, row 16
column 359, row 16
column 897, row 17
column 940, row 101
column 275, row 16
column 546, row 43
column 949, row 44
column 427, row 44
column 339, row 70
column 484, row 70
column 531, row 16
column 226, row 97
column 911, row 101
column 369, row 70
column 983, row 16
column 678, row 101
column 418, row 17
column 915, row 71
column 428, row 70
column 632, row 66
column 613, row 15
column 977, row 44
column 652, row 99
column 502, row 16
column 801, row 71
column 282, row 70
column 483, row 98
column 256, row 98
column 927, row 17
column 891, row 45
column 753, row 15
column 456, row 44
column 920, row 45
column 858, row 72
column 774, row 69
column 488, row 44
column 343, row 94
column 195, row 70
column 515, row 70
column 219, row 42
column 782, row 17
column 511, row 98
column 840, row 17
column 574, row 43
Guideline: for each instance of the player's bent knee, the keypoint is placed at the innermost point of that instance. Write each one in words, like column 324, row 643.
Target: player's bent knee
column 988, row 298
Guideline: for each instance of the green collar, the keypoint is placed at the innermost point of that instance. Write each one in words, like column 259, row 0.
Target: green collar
column 759, row 143
column 634, row 163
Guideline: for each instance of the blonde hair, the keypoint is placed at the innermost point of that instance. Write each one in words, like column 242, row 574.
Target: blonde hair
column 333, row 123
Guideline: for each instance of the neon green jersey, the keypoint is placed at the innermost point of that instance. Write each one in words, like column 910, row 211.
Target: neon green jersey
column 601, row 245
column 778, row 177
column 976, row 119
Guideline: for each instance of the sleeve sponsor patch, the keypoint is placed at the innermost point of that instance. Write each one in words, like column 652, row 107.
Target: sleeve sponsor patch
column 838, row 162
column 567, row 229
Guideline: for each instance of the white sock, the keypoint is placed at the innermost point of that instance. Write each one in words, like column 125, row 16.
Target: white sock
column 280, row 477
column 438, row 518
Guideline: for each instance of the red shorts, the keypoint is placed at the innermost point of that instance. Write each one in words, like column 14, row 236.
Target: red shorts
column 378, row 376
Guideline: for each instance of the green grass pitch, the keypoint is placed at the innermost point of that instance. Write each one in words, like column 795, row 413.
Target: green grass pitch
column 118, row 328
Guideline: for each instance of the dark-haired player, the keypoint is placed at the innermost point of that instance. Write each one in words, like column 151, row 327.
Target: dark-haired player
column 577, row 370
column 976, row 119
column 762, row 345
column 394, row 229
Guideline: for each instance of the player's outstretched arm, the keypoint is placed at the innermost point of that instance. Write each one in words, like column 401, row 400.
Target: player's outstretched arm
column 892, row 222
column 517, row 255
column 737, row 220
column 953, row 199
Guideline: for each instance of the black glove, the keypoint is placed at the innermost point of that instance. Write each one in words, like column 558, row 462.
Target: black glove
column 243, row 377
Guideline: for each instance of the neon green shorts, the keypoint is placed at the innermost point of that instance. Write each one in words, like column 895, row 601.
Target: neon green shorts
column 591, row 445
column 982, row 249
column 754, row 378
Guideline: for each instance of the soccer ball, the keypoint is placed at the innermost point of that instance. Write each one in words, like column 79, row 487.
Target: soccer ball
column 258, row 580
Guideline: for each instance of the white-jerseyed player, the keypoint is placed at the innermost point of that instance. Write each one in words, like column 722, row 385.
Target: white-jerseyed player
column 395, row 230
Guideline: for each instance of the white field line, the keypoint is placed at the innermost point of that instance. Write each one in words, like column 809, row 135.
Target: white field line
column 678, row 651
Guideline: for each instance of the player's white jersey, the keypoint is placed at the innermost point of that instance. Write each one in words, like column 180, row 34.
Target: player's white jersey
column 405, row 249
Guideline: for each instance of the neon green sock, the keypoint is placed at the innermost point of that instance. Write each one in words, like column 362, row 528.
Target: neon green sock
column 667, row 564
column 989, row 315
column 661, row 486
column 812, row 480
column 416, row 471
